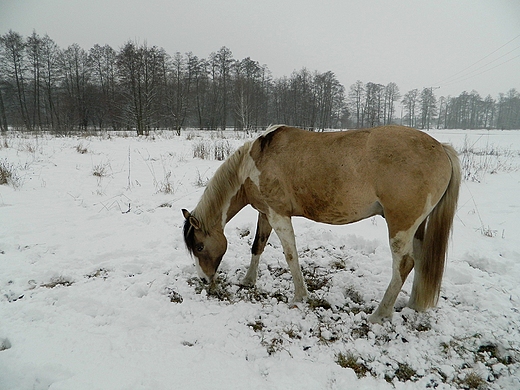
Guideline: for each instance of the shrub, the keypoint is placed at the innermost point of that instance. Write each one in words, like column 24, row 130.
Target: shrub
column 8, row 174
column 81, row 149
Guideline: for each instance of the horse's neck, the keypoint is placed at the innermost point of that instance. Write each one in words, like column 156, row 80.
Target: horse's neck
column 229, row 208
column 237, row 203
column 224, row 196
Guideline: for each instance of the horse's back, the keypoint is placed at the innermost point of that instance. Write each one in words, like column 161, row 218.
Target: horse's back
column 340, row 177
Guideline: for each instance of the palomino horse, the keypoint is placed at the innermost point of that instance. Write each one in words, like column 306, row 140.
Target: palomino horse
column 400, row 173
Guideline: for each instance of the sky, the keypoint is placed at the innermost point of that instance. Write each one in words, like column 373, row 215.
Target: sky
column 457, row 45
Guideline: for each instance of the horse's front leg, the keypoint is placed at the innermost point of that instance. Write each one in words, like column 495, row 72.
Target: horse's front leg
column 284, row 229
column 263, row 231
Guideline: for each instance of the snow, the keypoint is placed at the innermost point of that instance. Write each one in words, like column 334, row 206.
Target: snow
column 98, row 292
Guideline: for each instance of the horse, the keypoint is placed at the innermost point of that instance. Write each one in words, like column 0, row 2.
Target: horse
column 400, row 173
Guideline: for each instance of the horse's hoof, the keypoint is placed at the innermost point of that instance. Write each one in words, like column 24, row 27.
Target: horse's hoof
column 298, row 302
column 376, row 318
column 246, row 282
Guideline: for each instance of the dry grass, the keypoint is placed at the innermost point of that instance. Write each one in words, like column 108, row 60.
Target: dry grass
column 476, row 163
column 8, row 174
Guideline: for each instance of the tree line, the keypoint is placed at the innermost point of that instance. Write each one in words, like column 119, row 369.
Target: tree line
column 374, row 104
column 141, row 87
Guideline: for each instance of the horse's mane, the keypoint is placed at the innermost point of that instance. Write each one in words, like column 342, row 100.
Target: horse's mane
column 225, row 183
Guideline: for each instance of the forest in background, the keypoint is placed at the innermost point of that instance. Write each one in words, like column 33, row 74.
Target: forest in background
column 140, row 87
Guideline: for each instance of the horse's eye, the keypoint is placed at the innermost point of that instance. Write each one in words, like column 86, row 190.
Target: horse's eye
column 200, row 248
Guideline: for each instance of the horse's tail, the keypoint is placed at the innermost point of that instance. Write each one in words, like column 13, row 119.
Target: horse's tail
column 436, row 236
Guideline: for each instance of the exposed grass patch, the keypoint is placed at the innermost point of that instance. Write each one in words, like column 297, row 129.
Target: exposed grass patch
column 489, row 353
column 101, row 170
column 355, row 363
column 315, row 278
column 8, row 174
column 201, row 182
column 173, row 295
column 165, row 186
column 81, row 149
column 354, row 296
column 58, row 281
column 273, row 345
column 99, row 273
column 218, row 289
column 405, row 373
column 257, row 326
column 315, row 303
column 472, row 380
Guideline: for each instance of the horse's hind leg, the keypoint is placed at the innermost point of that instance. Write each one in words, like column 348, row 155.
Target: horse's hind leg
column 263, row 231
column 401, row 246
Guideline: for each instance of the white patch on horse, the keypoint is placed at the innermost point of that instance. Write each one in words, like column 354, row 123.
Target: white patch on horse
column 249, row 169
column 225, row 209
column 200, row 272
column 271, row 129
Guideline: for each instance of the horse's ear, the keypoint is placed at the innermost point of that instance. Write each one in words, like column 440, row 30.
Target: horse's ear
column 191, row 219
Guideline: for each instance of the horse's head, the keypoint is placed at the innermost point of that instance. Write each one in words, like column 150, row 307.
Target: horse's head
column 208, row 247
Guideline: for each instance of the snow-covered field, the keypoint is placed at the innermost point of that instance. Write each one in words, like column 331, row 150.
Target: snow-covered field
column 98, row 292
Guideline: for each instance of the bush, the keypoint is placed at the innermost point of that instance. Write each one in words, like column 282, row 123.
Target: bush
column 8, row 174
column 219, row 150
column 476, row 163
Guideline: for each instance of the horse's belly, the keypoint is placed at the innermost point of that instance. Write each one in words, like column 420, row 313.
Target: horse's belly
column 341, row 213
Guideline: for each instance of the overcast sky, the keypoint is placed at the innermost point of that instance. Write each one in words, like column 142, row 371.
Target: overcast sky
column 414, row 43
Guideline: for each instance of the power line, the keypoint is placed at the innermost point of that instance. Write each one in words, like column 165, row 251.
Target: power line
column 446, row 80
column 470, row 74
column 478, row 74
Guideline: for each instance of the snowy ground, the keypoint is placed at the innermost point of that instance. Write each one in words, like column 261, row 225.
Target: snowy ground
column 97, row 290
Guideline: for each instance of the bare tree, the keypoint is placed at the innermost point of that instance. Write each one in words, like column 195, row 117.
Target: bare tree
column 139, row 68
column 3, row 114
column 356, row 98
column 76, row 77
column 410, row 101
column 250, row 89
column 14, row 65
column 489, row 112
column 34, row 57
column 373, row 107
column 428, row 107
column 199, row 96
column 392, row 95
column 102, row 60
column 179, row 80
column 330, row 100
column 221, row 64
column 50, row 74
column 509, row 110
